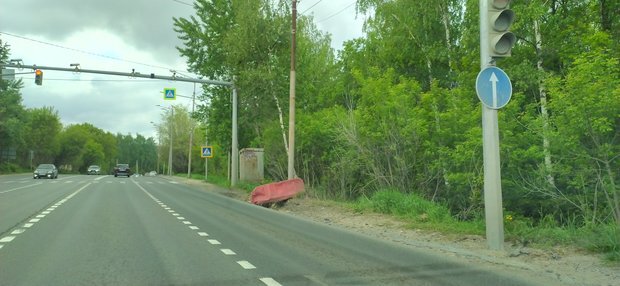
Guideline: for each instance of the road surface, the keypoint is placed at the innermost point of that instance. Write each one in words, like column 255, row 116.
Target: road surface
column 101, row 230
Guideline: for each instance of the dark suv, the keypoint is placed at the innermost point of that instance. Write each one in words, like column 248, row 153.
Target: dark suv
column 122, row 170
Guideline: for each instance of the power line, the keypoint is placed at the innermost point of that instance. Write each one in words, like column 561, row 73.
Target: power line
column 311, row 6
column 184, row 3
column 332, row 15
column 84, row 52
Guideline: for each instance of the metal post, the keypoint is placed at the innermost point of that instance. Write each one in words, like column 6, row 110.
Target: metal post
column 291, row 110
column 191, row 137
column 206, row 159
column 170, row 150
column 490, row 144
column 235, row 148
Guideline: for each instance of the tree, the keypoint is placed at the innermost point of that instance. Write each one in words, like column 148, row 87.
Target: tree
column 12, row 112
column 43, row 130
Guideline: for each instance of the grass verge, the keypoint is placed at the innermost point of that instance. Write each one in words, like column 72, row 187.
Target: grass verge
column 423, row 214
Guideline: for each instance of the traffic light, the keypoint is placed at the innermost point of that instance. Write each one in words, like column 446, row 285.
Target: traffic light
column 38, row 77
column 500, row 18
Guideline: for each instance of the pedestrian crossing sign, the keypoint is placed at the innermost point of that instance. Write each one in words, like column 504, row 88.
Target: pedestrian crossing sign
column 170, row 93
column 207, row 152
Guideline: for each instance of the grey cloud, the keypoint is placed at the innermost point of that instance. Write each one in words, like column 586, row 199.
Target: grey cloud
column 145, row 24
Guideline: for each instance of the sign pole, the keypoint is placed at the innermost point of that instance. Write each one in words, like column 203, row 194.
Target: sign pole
column 490, row 145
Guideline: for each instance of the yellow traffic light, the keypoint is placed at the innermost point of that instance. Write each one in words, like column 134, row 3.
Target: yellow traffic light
column 38, row 77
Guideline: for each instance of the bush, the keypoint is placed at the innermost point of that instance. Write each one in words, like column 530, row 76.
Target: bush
column 602, row 239
column 6, row 168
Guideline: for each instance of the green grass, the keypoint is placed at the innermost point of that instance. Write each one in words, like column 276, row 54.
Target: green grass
column 418, row 212
column 423, row 214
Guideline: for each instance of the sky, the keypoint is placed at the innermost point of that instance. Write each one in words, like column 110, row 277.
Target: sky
column 120, row 35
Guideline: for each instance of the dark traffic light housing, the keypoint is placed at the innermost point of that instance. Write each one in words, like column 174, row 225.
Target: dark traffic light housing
column 501, row 40
column 38, row 77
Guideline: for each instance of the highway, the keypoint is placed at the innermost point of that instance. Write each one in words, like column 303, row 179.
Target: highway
column 101, row 230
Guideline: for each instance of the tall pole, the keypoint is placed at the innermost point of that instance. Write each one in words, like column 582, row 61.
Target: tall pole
column 490, row 145
column 291, row 110
column 206, row 159
column 191, row 136
column 170, row 150
column 235, row 148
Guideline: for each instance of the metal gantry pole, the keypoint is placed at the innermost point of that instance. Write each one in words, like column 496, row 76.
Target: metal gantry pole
column 191, row 136
column 490, row 144
column 170, row 149
column 206, row 159
column 132, row 74
column 291, row 117
column 235, row 148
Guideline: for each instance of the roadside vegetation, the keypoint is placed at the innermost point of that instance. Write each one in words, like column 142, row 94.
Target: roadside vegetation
column 392, row 121
column 547, row 232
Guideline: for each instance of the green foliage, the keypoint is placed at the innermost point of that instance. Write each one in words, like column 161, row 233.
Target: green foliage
column 409, row 206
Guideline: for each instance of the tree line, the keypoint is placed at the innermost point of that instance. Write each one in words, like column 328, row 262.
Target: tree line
column 397, row 108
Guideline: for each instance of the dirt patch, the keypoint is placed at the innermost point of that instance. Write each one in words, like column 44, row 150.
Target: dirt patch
column 561, row 265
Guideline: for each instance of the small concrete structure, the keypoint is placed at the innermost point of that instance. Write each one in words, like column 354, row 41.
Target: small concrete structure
column 251, row 165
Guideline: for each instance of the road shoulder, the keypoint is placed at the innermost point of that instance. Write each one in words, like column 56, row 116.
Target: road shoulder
column 566, row 265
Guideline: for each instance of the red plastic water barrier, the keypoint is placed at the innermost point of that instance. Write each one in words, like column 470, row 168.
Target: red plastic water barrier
column 278, row 191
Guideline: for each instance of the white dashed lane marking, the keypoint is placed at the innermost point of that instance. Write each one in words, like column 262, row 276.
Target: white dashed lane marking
column 227, row 251
column 7, row 239
column 246, row 265
column 243, row 263
column 214, row 241
column 38, row 217
column 270, row 281
column 18, row 231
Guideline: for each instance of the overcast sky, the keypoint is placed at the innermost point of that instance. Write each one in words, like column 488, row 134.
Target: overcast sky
column 138, row 31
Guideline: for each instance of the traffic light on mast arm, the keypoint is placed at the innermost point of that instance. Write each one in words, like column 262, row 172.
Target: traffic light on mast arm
column 501, row 40
column 38, row 77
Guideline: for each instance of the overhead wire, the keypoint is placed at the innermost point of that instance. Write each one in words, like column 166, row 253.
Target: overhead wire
column 311, row 7
column 86, row 52
column 184, row 3
column 332, row 15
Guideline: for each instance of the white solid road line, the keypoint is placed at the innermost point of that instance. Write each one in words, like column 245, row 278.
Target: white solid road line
column 22, row 187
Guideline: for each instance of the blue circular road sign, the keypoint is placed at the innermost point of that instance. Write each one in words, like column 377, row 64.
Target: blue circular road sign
column 493, row 87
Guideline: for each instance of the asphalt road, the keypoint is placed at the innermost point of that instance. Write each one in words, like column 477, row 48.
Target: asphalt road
column 101, row 230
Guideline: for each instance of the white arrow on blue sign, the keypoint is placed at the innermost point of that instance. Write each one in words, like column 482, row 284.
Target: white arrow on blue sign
column 493, row 87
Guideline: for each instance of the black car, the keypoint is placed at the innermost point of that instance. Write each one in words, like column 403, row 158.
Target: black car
column 122, row 170
column 45, row 171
